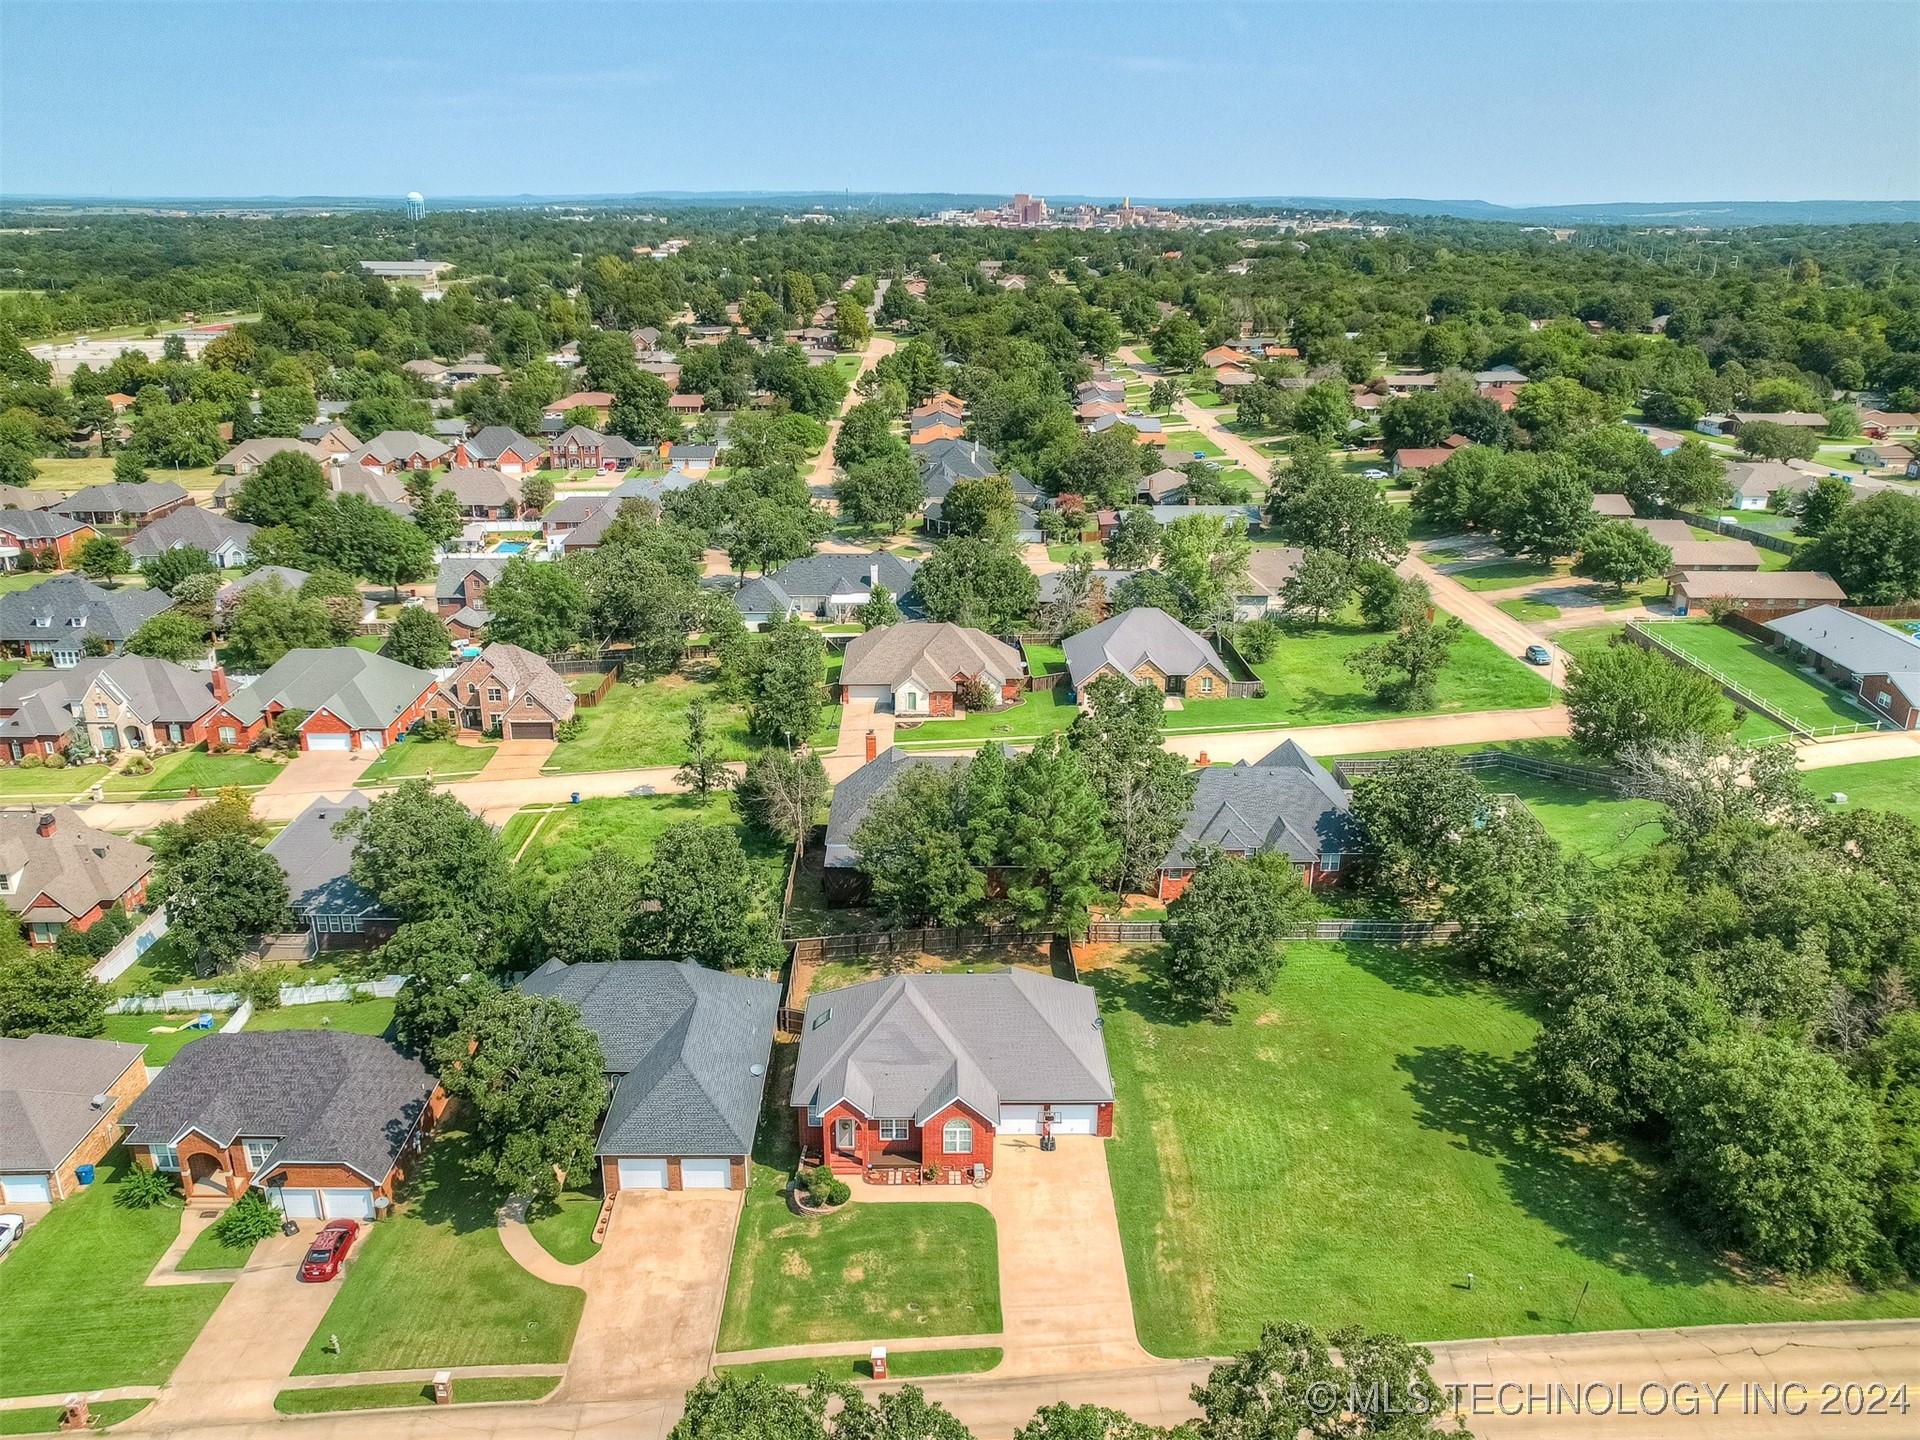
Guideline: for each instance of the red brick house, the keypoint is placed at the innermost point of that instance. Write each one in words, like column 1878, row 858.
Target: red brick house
column 352, row 700
column 507, row 689
column 916, row 668
column 1285, row 802
column 44, row 534
column 57, row 871
column 598, row 401
column 67, row 1096
column 913, row 1079
column 502, row 448
column 323, row 1122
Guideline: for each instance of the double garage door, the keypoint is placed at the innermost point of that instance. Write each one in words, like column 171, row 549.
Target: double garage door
column 650, row 1173
column 303, row 1204
column 1067, row 1119
column 530, row 730
column 26, row 1189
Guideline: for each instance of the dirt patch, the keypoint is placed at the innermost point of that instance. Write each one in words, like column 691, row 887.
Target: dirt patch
column 794, row 1264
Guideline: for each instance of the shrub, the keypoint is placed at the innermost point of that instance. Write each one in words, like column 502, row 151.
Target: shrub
column 142, row 1189
column 570, row 728
column 32, row 762
column 436, row 729
column 247, row 1221
column 1256, row 640
column 262, row 984
column 56, row 761
column 137, row 764
column 825, row 1188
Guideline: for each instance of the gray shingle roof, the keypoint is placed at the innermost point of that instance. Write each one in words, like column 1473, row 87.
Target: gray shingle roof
column 48, row 702
column 1853, row 642
column 472, row 486
column 122, row 498
column 519, row 672
column 1126, row 639
column 1285, row 801
column 327, row 1096
column 909, row 1045
column 689, row 1046
column 455, row 569
column 814, row 579
column 36, row 524
column 391, row 446
column 854, row 796
column 930, row 653
column 76, row 867
column 189, row 525
column 942, row 462
column 316, row 861
column 64, row 599
column 47, row 1085
column 495, row 440
column 288, row 577
column 366, row 691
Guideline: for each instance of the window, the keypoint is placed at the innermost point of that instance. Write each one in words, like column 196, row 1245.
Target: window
column 493, row 694
column 174, row 734
column 228, row 734
column 165, row 1157
column 813, row 1112
column 45, row 932
column 78, row 622
column 956, row 1137
column 43, row 622
column 1206, row 684
column 99, row 709
column 1329, row 859
column 258, row 1151
column 895, row 1129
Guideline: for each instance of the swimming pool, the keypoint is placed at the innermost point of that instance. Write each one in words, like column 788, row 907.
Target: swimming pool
column 510, row 547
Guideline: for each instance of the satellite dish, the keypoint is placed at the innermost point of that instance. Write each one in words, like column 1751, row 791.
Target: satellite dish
column 757, row 1070
column 102, row 1101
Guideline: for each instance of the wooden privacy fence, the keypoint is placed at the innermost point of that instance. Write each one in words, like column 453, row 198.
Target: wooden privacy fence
column 934, row 940
column 587, row 699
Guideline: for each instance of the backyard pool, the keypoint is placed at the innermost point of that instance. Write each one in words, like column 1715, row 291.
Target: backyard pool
column 510, row 547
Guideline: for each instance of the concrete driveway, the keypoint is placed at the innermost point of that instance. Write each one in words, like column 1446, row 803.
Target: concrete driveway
column 241, row 1360
column 517, row 760
column 654, row 1294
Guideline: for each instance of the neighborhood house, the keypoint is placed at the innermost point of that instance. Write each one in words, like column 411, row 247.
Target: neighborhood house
column 60, row 1104
column 917, row 668
column 507, row 689
column 325, row 898
column 1148, row 647
column 351, row 700
column 1286, row 802
column 56, row 870
column 1877, row 662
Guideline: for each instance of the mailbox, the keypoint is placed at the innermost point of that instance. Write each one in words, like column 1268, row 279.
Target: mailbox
column 878, row 1359
column 443, row 1387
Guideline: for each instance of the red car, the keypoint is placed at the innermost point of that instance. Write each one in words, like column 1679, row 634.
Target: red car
column 329, row 1250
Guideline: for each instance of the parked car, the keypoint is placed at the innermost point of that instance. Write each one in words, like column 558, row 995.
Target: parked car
column 329, row 1250
column 1539, row 655
column 12, row 1227
column 1375, row 474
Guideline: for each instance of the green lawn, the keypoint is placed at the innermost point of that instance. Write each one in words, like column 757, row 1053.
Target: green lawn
column 903, row 1364
column 414, row 756
column 39, row 783
column 565, row 1231
column 1874, row 785
column 356, row 1017
column 864, row 1271
column 1036, row 713
column 630, row 824
column 173, row 775
column 45, row 1419
column 432, row 1285
column 393, row 1395
column 79, row 1314
column 1524, row 609
column 641, row 725
column 1355, row 1141
column 209, row 1252
column 1182, row 443
column 1767, row 674
column 161, row 1034
column 1604, row 827
column 1584, row 640
column 1043, row 659
column 1504, row 574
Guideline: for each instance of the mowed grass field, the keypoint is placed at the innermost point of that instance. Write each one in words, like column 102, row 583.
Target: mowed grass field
column 558, row 839
column 1763, row 671
column 1357, row 1139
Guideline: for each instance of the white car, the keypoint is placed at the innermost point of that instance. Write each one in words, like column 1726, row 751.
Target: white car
column 12, row 1227
column 1375, row 474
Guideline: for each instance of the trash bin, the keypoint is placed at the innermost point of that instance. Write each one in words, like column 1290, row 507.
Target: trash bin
column 84, row 1174
column 576, row 797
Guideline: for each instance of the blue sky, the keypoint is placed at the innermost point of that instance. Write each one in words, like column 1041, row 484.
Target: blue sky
column 1539, row 102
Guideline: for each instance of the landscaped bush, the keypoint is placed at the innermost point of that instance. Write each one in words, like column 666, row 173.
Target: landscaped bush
column 570, row 728
column 143, row 1189
column 436, row 729
column 137, row 764
column 826, row 1188
column 56, row 761
column 247, row 1221
column 32, row 762
column 1256, row 640
column 262, row 984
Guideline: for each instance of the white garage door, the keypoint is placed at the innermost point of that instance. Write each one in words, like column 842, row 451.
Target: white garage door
column 296, row 1204
column 329, row 740
column 372, row 740
column 1075, row 1119
column 20, row 1189
column 347, row 1204
column 1019, row 1119
column 643, row 1174
column 705, row 1174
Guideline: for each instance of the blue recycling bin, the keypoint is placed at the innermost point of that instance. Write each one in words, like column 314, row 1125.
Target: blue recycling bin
column 576, row 797
column 84, row 1174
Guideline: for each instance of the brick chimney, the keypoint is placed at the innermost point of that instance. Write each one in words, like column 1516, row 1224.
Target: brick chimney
column 220, row 683
column 46, row 825
column 873, row 745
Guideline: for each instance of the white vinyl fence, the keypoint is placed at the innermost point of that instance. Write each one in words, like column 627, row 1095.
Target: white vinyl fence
column 117, row 961
column 331, row 992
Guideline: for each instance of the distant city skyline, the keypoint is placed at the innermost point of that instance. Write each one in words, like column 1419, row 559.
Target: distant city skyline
column 1517, row 104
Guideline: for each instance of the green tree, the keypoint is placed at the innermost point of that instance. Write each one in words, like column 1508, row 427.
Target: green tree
column 1226, row 929
column 1322, row 411
column 436, row 510
column 1770, row 440
column 171, row 635
column 711, row 906
column 351, row 533
column 1549, row 516
column 222, row 896
column 913, row 850
column 1821, row 506
column 533, row 1082
column 1061, row 1421
column 1057, row 841
column 1279, row 1389
column 1621, row 555
column 977, row 582
column 1144, row 788
column 425, row 856
column 1320, row 585
column 1317, row 506
column 1178, row 343
column 1872, row 549
column 1135, row 541
column 879, row 610
column 1206, row 556
column 418, row 638
column 44, row 992
column 981, row 507
column 1403, row 671
column 705, row 770
column 789, row 687
column 268, row 620
column 166, row 570
column 1412, row 813
column 781, row 792
column 539, row 607
column 851, row 328
column 103, row 557
column 1623, row 695
column 606, row 927
column 448, row 963
column 878, row 494
column 282, row 490
column 1554, row 410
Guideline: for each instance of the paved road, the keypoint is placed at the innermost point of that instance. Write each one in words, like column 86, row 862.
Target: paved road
column 1603, row 1366
column 822, row 472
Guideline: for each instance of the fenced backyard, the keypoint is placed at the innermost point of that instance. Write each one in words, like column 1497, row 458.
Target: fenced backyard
column 1752, row 675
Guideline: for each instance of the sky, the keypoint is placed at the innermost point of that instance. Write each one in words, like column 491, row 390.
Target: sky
column 1534, row 102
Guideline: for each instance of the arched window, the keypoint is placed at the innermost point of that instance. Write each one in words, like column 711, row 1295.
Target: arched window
column 956, row 1137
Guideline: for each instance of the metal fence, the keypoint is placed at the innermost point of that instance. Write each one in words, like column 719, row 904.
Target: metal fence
column 1764, row 539
column 1598, row 777
column 331, row 992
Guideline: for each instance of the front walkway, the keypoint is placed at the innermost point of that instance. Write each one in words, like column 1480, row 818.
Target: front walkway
column 529, row 1254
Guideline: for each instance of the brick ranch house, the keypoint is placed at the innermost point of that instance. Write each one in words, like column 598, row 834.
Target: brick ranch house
column 56, row 870
column 353, row 700
column 122, row 702
column 64, row 1098
column 686, row 1050
column 918, row 667
column 1877, row 663
column 912, row 1079
column 508, row 689
column 1286, row 801
column 44, row 535
column 323, row 1122
column 1148, row 647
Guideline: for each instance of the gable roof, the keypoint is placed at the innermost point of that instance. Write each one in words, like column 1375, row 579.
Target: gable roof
column 854, row 796
column 365, row 691
column 1761, row 584
column 946, row 460
column 189, row 525
column 689, row 1045
column 47, row 1085
column 38, row 524
column 1286, row 801
column 75, row 868
column 392, row 446
column 910, row 1045
column 122, row 498
column 1609, row 504
column 930, row 653
column 521, row 672
column 455, row 569
column 477, row 486
column 62, row 599
column 263, row 447
column 1762, row 478
column 326, row 1097
column 823, row 575
column 47, row 702
column 316, row 860
column 1142, row 633
column 1854, row 642
column 496, row 440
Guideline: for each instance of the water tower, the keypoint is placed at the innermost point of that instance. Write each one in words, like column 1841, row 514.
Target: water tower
column 416, row 205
